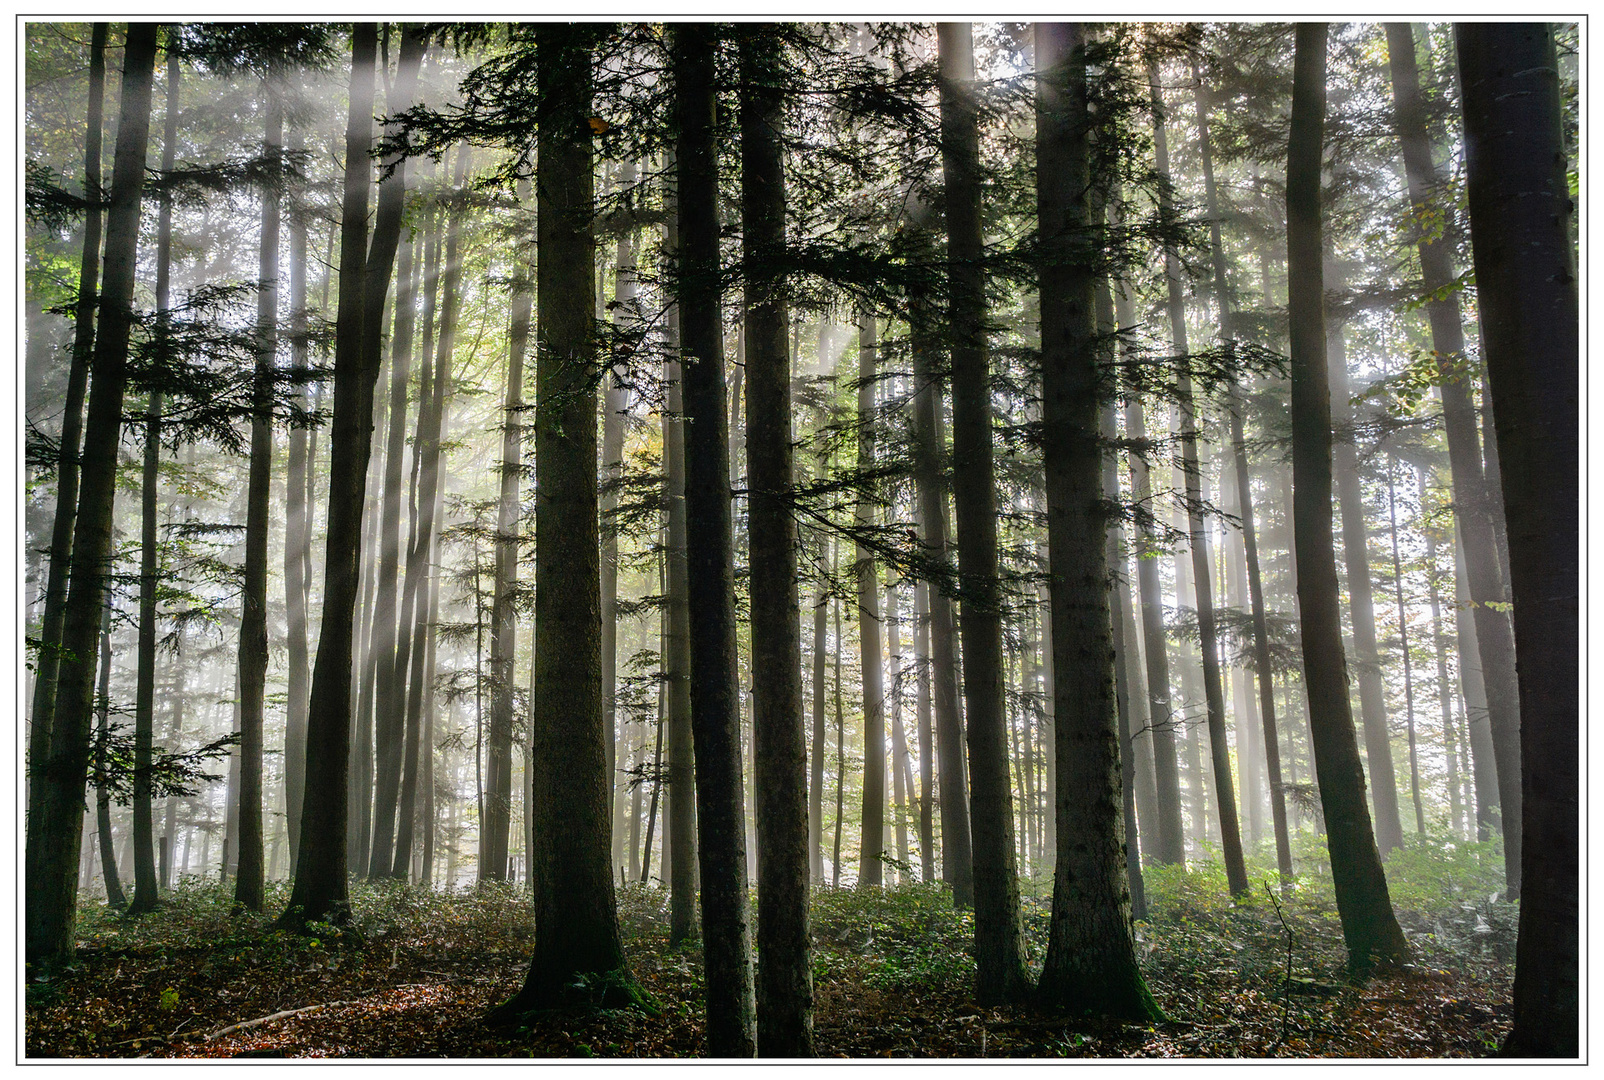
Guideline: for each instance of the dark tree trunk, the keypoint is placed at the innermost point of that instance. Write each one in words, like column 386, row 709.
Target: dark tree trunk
column 1368, row 924
column 921, row 660
column 321, row 891
column 1091, row 952
column 250, row 881
column 999, row 945
column 108, row 855
column 297, row 547
column 930, row 479
column 715, row 699
column 785, row 974
column 1408, row 667
column 1169, row 836
column 680, row 847
column 1361, row 600
column 55, row 834
column 821, row 615
column 1520, row 211
column 1476, row 494
column 146, row 888
column 385, row 689
column 72, row 424
column 1213, row 692
column 871, row 835
column 1261, row 647
column 504, row 618
column 576, row 920
column 614, row 408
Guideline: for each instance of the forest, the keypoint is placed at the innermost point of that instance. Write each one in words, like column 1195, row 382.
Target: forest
column 670, row 539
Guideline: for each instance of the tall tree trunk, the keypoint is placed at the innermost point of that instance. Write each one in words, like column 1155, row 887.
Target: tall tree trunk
column 146, row 888
column 1520, row 209
column 72, row 423
column 901, row 773
column 1478, row 729
column 504, row 619
column 784, row 974
column 680, row 839
column 250, row 881
column 576, row 919
column 821, row 615
column 321, row 891
column 1361, row 600
column 1457, row 825
column 108, row 855
column 1477, row 494
column 999, row 944
column 715, row 700
column 930, row 479
column 1408, row 668
column 1169, row 837
column 1213, row 691
column 1091, row 952
column 614, row 408
column 921, row 659
column 297, row 541
column 55, row 833
column 870, row 866
column 1261, row 646
column 1368, row 925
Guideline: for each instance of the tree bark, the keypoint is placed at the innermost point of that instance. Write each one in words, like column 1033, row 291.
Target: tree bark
column 1361, row 601
column 715, row 698
column 785, row 974
column 108, row 855
column 297, row 544
column 250, row 881
column 72, row 424
column 1520, row 210
column 1368, row 925
column 999, row 945
column 680, row 839
column 870, row 866
column 1091, row 952
column 55, row 834
column 576, row 919
column 1477, row 494
column 321, row 891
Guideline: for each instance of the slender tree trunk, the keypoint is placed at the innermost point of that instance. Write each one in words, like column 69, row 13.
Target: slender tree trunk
column 870, row 866
column 1361, row 601
column 1261, row 647
column 921, row 659
column 1520, row 209
column 1457, row 825
column 72, row 422
column 901, row 774
column 1408, row 669
column 1477, row 494
column 297, row 543
column 999, row 947
column 321, row 891
column 821, row 614
column 1478, row 729
column 784, row 975
column 1169, row 837
column 613, row 414
column 250, row 882
column 715, row 701
column 840, row 758
column 504, row 632
column 108, row 855
column 930, row 479
column 576, row 918
column 55, row 833
column 1369, row 927
column 1213, row 692
column 680, row 838
column 1091, row 953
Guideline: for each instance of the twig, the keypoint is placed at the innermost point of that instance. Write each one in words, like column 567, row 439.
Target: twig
column 220, row 1032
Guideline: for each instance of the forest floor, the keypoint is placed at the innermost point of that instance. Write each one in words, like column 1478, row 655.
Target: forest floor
column 415, row 973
